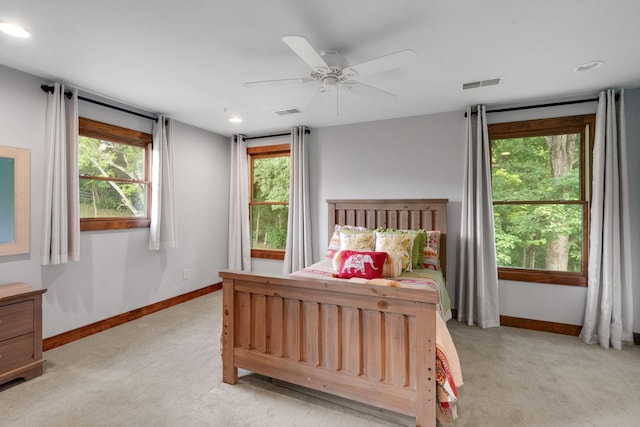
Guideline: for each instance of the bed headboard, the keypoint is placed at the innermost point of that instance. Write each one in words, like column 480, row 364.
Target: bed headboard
column 405, row 214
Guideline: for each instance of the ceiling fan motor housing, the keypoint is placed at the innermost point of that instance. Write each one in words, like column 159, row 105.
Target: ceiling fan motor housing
column 329, row 78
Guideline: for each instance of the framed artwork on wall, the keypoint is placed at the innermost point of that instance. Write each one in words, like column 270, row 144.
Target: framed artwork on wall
column 15, row 212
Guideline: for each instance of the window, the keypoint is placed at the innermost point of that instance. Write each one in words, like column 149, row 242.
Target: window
column 269, row 199
column 540, row 187
column 115, row 170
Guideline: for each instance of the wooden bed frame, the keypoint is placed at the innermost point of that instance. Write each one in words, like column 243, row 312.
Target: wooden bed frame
column 372, row 344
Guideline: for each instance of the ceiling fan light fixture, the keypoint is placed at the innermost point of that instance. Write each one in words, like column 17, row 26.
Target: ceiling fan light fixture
column 330, row 81
column 587, row 66
column 14, row 30
column 235, row 119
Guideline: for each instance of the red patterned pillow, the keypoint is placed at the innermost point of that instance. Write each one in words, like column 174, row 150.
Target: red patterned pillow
column 367, row 265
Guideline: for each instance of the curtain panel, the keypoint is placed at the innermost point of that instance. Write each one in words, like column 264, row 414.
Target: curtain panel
column 60, row 239
column 609, row 308
column 478, row 291
column 163, row 229
column 239, row 249
column 298, row 248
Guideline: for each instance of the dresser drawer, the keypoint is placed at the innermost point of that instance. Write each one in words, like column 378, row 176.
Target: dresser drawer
column 16, row 352
column 16, row 319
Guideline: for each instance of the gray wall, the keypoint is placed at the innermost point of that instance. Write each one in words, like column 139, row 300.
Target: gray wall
column 117, row 273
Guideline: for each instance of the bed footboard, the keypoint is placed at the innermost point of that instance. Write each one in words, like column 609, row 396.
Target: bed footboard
column 368, row 343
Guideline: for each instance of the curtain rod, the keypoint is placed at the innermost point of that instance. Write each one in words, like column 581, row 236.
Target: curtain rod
column 527, row 107
column 49, row 89
column 307, row 131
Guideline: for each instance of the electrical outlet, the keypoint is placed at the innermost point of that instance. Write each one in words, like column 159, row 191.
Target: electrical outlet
column 186, row 274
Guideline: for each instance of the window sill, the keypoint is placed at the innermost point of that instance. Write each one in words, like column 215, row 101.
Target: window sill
column 267, row 254
column 548, row 277
column 95, row 224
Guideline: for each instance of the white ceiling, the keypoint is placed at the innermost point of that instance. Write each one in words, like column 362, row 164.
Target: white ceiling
column 188, row 59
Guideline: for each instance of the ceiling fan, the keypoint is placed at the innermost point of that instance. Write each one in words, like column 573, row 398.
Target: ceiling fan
column 329, row 70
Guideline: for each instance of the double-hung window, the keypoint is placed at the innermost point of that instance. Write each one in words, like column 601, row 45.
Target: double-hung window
column 540, row 188
column 269, row 168
column 115, row 170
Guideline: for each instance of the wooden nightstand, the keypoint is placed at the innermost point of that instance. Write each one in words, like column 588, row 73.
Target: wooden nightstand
column 20, row 331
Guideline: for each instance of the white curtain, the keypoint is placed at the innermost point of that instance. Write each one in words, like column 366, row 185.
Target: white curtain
column 298, row 249
column 478, row 291
column 162, row 231
column 239, row 228
column 609, row 309
column 61, row 211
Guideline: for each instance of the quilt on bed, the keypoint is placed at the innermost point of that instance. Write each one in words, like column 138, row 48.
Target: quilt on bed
column 416, row 279
column 448, row 371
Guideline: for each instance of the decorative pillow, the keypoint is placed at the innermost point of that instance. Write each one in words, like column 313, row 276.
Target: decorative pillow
column 392, row 264
column 356, row 240
column 431, row 253
column 398, row 244
column 367, row 265
column 419, row 239
column 334, row 242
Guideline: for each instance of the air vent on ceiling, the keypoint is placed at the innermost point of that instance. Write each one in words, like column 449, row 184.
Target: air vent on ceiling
column 288, row 111
column 482, row 83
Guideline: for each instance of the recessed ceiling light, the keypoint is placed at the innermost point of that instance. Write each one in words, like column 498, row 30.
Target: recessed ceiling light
column 235, row 119
column 588, row 66
column 13, row 30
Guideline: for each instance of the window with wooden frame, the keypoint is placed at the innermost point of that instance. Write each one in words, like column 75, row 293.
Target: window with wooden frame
column 540, row 187
column 115, row 176
column 269, row 168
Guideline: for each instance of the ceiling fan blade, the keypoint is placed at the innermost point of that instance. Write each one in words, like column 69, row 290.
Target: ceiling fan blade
column 367, row 91
column 388, row 62
column 306, row 52
column 278, row 82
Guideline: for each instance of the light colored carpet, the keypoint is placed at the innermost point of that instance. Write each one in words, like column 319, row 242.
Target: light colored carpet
column 165, row 370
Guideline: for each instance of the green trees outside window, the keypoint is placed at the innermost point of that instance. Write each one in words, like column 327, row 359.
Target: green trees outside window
column 115, row 168
column 539, row 227
column 111, row 179
column 538, row 173
column 269, row 201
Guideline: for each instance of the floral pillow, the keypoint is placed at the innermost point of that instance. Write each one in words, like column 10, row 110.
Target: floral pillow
column 431, row 252
column 419, row 239
column 398, row 244
column 366, row 265
column 356, row 240
column 334, row 242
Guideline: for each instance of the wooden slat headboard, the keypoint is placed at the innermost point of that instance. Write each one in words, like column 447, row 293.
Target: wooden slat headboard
column 405, row 214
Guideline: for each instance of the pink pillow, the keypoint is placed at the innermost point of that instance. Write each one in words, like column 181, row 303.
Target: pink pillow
column 431, row 258
column 367, row 265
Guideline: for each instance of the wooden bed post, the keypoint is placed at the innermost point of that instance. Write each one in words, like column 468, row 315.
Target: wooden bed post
column 426, row 364
column 229, row 369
